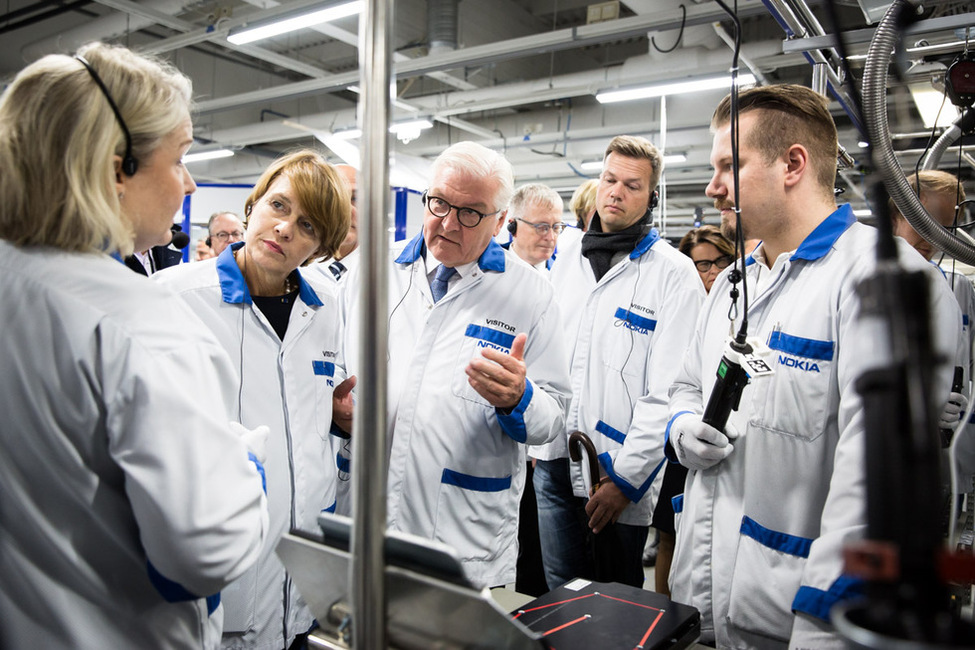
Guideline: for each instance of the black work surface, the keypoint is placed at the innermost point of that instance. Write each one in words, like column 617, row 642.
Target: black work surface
column 606, row 616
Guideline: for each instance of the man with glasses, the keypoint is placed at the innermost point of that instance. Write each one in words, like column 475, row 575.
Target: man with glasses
column 535, row 223
column 630, row 302
column 477, row 369
column 225, row 228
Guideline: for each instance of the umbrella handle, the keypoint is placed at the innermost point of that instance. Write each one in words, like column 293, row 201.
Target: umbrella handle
column 577, row 441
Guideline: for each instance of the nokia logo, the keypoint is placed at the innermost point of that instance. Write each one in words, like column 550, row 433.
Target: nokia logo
column 493, row 346
column 502, row 325
column 632, row 326
column 807, row 366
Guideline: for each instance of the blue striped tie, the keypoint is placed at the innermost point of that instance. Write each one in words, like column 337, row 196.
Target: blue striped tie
column 439, row 285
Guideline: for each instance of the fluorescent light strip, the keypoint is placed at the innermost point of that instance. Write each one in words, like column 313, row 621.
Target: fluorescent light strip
column 932, row 106
column 207, row 155
column 676, row 88
column 597, row 165
column 286, row 25
column 353, row 134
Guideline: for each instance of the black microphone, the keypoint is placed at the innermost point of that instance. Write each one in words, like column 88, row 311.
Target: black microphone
column 180, row 239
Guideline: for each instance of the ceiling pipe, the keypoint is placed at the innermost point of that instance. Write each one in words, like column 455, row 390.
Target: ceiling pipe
column 554, row 41
column 108, row 27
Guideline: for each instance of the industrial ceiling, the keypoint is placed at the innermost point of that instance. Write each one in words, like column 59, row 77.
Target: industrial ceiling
column 519, row 76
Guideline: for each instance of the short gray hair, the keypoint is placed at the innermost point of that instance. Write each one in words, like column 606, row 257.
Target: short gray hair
column 534, row 194
column 478, row 160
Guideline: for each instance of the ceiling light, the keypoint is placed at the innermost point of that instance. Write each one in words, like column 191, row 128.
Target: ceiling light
column 207, row 155
column 674, row 88
column 597, row 165
column 403, row 130
column 285, row 25
column 933, row 106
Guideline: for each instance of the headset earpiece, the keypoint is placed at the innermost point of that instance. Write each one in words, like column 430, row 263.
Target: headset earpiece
column 654, row 199
column 209, row 245
column 512, row 226
column 129, row 163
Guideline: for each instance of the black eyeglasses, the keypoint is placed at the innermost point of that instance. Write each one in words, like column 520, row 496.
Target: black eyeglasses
column 468, row 217
column 236, row 235
column 543, row 228
column 722, row 262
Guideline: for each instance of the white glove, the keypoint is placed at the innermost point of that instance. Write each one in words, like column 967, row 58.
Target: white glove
column 698, row 445
column 254, row 439
column 957, row 404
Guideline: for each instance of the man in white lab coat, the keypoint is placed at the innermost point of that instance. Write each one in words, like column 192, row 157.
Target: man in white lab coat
column 771, row 500
column 630, row 302
column 477, row 369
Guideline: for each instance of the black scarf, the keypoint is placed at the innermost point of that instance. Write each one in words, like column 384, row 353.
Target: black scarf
column 600, row 247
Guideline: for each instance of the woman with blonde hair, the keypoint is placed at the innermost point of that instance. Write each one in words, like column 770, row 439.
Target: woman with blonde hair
column 283, row 330
column 128, row 499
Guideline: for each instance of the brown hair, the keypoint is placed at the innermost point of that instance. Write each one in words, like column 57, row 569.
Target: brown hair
column 633, row 146
column 791, row 114
column 705, row 235
column 321, row 191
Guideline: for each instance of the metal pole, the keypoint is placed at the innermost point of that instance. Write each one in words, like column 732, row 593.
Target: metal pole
column 367, row 580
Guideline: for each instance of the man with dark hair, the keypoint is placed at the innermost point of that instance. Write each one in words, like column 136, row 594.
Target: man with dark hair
column 630, row 302
column 771, row 500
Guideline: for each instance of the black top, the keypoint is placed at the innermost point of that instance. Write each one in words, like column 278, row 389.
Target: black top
column 277, row 310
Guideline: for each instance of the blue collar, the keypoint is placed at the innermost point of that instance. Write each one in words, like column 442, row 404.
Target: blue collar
column 821, row 240
column 234, row 290
column 492, row 259
column 940, row 270
column 645, row 244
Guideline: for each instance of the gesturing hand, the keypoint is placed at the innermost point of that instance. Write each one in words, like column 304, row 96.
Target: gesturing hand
column 498, row 377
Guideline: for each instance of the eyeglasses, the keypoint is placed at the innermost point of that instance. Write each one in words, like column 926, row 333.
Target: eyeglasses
column 722, row 262
column 468, row 217
column 236, row 235
column 543, row 228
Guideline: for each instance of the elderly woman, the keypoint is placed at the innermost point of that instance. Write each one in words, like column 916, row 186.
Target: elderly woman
column 284, row 332
column 127, row 499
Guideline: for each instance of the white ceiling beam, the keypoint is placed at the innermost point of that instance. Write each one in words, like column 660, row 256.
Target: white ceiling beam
column 557, row 40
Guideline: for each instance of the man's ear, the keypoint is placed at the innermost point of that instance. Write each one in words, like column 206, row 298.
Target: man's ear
column 501, row 219
column 796, row 164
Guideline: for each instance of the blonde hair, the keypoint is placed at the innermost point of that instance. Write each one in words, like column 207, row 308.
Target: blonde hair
column 933, row 182
column 58, row 136
column 321, row 191
column 583, row 202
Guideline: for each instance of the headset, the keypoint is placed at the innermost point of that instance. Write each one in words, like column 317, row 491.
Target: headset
column 129, row 163
column 654, row 200
column 512, row 226
column 209, row 245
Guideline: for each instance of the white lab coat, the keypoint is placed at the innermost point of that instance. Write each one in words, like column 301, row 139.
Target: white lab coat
column 286, row 385
column 457, row 467
column 627, row 336
column 964, row 293
column 761, row 533
column 118, row 461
